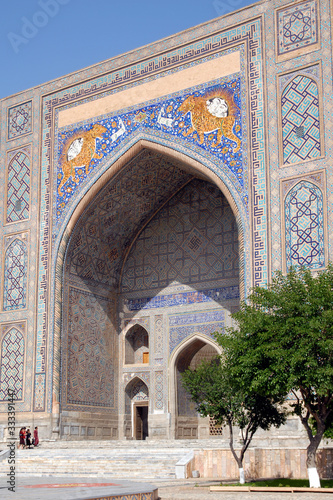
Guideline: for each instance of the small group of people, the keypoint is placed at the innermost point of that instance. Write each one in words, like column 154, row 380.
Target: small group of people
column 25, row 438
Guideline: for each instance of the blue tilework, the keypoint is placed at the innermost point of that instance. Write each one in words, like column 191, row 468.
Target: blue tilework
column 305, row 226
column 12, row 364
column 193, row 239
column 15, row 283
column 177, row 335
column 179, row 299
column 175, row 117
column 18, row 188
column 90, row 370
column 297, row 26
column 300, row 120
column 20, row 120
column 199, row 317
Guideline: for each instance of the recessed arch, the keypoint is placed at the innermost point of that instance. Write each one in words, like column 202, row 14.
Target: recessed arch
column 191, row 166
column 189, row 348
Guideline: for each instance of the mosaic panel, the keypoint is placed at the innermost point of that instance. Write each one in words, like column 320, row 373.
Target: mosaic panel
column 208, row 117
column 90, row 370
column 297, row 27
column 300, row 120
column 177, row 335
column 39, row 399
column 12, row 364
column 183, row 325
column 161, row 254
column 304, row 226
column 158, row 335
column 18, row 187
column 15, row 279
column 158, row 391
column 183, row 298
column 20, row 120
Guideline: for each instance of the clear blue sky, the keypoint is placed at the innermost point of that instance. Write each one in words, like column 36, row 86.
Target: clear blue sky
column 45, row 39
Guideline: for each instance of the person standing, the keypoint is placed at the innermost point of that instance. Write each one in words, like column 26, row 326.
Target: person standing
column 28, row 438
column 22, row 439
column 36, row 438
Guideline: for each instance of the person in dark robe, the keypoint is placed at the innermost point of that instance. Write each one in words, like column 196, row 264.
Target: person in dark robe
column 28, row 438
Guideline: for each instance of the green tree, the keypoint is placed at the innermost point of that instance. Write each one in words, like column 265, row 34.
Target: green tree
column 284, row 343
column 218, row 396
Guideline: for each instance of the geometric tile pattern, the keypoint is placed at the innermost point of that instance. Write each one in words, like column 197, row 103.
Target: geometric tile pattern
column 304, row 223
column 90, row 371
column 20, row 120
column 300, row 120
column 158, row 335
column 192, row 239
column 18, row 188
column 297, row 27
column 105, row 230
column 12, row 364
column 183, row 325
column 15, row 282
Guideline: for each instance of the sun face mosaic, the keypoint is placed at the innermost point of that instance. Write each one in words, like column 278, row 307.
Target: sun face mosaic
column 209, row 118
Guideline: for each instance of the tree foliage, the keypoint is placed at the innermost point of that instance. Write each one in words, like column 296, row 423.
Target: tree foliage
column 284, row 343
column 217, row 395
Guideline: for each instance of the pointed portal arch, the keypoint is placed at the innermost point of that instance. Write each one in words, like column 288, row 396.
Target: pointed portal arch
column 187, row 423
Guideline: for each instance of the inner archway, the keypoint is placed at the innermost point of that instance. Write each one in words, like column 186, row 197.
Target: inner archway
column 188, row 423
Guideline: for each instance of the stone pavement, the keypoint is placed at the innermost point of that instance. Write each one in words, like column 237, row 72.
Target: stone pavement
column 198, row 489
column 72, row 488
column 183, row 489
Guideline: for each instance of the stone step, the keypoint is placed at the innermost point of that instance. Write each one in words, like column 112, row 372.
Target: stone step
column 120, row 462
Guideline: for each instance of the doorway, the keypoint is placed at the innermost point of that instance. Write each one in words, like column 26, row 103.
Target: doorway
column 141, row 421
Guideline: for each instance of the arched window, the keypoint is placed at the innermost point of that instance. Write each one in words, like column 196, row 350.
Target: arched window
column 300, row 120
column 12, row 364
column 136, row 345
column 15, row 284
column 304, row 226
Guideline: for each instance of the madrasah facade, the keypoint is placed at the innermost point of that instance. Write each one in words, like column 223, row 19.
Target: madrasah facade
column 143, row 197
